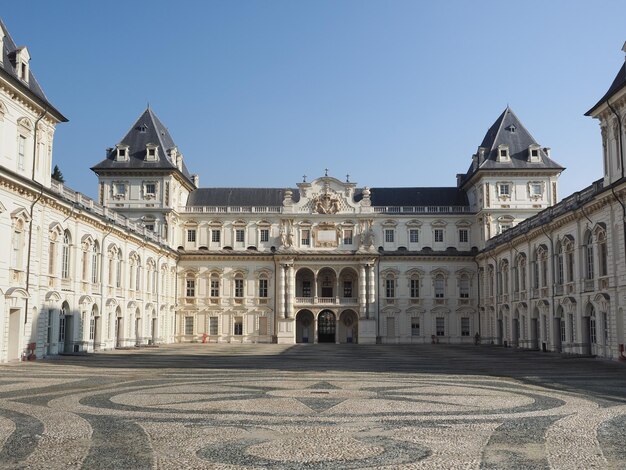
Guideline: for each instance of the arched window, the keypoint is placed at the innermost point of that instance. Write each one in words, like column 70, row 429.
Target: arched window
column 95, row 263
column 588, row 253
column 65, row 255
column 390, row 286
column 238, row 285
column 560, row 264
column 263, row 286
column 569, row 255
column 504, row 267
column 214, row 285
column 17, row 242
column 535, row 269
column 138, row 276
column 602, row 253
column 118, row 270
column 414, row 286
column 440, row 286
column 593, row 332
column 522, row 272
column 464, row 286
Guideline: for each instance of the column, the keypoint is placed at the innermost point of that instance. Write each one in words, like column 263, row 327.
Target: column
column 372, row 284
column 362, row 290
column 280, row 300
column 291, row 290
column 314, row 286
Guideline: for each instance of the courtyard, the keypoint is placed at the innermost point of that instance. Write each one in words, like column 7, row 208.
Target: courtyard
column 313, row 406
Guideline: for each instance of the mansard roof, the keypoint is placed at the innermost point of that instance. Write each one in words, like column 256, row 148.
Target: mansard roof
column 239, row 197
column 8, row 70
column 379, row 197
column 509, row 131
column 416, row 197
column 148, row 129
column 617, row 85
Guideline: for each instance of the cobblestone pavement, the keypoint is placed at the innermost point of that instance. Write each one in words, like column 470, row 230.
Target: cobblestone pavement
column 314, row 407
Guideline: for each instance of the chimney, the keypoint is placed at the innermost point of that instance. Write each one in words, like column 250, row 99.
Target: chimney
column 547, row 150
column 179, row 161
column 196, row 180
column 108, row 151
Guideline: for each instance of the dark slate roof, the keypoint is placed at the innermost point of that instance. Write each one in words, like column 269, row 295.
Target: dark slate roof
column 7, row 68
column 239, row 197
column 136, row 139
column 508, row 130
column 617, row 85
column 415, row 197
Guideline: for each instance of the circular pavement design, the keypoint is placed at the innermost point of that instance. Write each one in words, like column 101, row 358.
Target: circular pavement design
column 172, row 419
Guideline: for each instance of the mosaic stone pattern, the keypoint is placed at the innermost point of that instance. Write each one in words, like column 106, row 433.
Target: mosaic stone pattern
column 313, row 407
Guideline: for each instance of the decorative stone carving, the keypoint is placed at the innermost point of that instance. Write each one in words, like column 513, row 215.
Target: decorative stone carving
column 327, row 202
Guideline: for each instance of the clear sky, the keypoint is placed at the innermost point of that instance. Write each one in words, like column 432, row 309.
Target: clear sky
column 259, row 93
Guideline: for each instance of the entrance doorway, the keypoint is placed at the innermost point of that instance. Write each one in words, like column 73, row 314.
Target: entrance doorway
column 348, row 327
column 13, row 350
column 326, row 326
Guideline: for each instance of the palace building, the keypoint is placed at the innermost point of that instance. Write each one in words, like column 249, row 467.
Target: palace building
column 160, row 259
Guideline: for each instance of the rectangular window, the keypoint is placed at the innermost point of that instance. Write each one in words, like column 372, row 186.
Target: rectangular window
column 536, row 189
column 263, row 288
column 265, row 235
column 191, row 288
column 592, row 330
column 189, row 325
column 605, row 327
column 389, row 235
column 213, row 326
column 306, row 238
column 347, row 237
column 505, row 189
column 414, row 235
column 262, row 326
column 438, row 235
column 306, row 288
column 150, row 189
column 562, row 329
column 390, row 288
column 120, row 189
column 415, row 326
column 440, row 325
column 415, row 288
column 216, row 236
column 572, row 328
column 347, row 289
column 62, row 328
column 21, row 152
column 238, row 330
column 239, row 235
column 215, row 288
column 92, row 328
column 465, row 326
column 463, row 235
column 239, row 288
column 544, row 272
column 191, row 235
column 51, row 258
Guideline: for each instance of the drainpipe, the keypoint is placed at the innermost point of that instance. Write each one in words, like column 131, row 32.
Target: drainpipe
column 377, row 303
column 552, row 258
column 478, row 298
column 32, row 208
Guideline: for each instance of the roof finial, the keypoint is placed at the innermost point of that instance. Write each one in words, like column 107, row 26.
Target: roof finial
column 304, row 178
column 148, row 104
column 325, row 171
column 624, row 49
column 348, row 178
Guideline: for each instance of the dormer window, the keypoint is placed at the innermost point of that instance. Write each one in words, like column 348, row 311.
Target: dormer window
column 151, row 152
column 121, row 154
column 511, row 128
column 143, row 128
column 22, row 58
column 503, row 153
column 533, row 154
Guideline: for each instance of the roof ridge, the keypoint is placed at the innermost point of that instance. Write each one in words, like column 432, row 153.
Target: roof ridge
column 495, row 138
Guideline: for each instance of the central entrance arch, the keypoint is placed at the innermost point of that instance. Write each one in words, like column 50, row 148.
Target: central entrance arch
column 326, row 327
column 305, row 326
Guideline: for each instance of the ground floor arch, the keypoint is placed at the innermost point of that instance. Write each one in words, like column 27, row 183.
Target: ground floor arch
column 305, row 327
column 347, row 327
column 326, row 327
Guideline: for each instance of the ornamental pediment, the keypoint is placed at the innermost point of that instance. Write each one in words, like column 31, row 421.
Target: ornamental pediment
column 325, row 196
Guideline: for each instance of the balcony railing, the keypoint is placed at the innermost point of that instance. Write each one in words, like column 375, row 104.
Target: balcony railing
column 422, row 209
column 588, row 285
column 326, row 300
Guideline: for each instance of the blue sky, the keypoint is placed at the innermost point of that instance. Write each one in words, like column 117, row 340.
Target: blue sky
column 259, row 93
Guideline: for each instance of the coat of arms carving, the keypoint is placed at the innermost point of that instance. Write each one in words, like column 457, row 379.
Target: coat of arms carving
column 326, row 203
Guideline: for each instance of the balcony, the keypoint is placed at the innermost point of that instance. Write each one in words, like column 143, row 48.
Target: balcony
column 326, row 301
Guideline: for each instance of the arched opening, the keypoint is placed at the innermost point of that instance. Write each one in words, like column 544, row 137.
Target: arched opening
column 95, row 327
column 117, row 330
column 348, row 282
column 327, row 285
column 559, row 330
column 515, row 327
column 326, row 327
column 589, row 330
column 305, row 285
column 305, row 327
column 499, row 330
column 138, row 326
column 348, row 327
column 534, row 329
column 154, row 327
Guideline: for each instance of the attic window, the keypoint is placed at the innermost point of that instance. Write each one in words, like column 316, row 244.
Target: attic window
column 143, row 128
column 503, row 153
column 533, row 153
column 511, row 128
column 151, row 152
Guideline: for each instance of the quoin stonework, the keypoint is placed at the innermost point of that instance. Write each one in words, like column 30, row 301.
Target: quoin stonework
column 160, row 259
